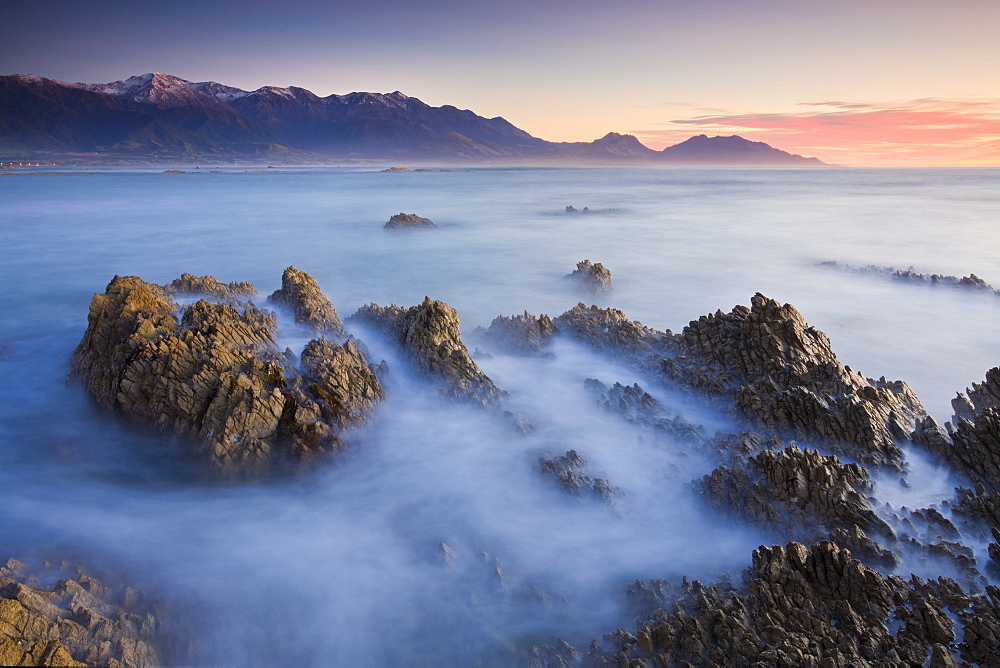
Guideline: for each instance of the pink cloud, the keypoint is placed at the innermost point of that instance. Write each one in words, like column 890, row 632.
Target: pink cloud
column 923, row 132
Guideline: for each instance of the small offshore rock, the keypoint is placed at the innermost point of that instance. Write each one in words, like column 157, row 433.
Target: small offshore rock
column 408, row 221
column 592, row 278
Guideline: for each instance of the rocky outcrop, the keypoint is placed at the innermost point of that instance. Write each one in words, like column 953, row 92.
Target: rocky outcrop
column 592, row 278
column 971, row 442
column 810, row 606
column 637, row 406
column 429, row 335
column 783, row 374
column 569, row 471
column 519, row 334
column 609, row 330
column 408, row 221
column 301, row 294
column 77, row 621
column 910, row 275
column 211, row 371
column 340, row 378
column 795, row 491
column 209, row 285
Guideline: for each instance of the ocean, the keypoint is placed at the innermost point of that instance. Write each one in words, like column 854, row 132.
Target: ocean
column 434, row 538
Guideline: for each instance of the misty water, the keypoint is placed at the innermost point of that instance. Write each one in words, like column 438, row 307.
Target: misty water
column 344, row 563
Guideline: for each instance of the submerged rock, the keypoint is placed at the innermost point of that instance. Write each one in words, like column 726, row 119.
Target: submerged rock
column 77, row 621
column 429, row 335
column 408, row 221
column 593, row 278
column 570, row 472
column 211, row 371
column 301, row 294
column 637, row 406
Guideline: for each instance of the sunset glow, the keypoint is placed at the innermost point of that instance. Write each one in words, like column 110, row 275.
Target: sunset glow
column 928, row 132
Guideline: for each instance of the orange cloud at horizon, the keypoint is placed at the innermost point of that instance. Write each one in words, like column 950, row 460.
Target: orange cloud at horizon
column 922, row 133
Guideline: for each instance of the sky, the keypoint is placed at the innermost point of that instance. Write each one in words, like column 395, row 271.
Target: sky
column 862, row 83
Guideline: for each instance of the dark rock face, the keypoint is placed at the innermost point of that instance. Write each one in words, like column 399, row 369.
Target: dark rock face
column 970, row 282
column 570, row 472
column 214, row 374
column 300, row 293
column 809, row 606
column 78, row 621
column 519, row 334
column 429, row 334
column 592, row 278
column 408, row 221
column 783, row 374
column 971, row 444
column 795, row 490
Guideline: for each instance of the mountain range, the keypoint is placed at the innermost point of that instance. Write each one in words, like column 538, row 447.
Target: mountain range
column 158, row 116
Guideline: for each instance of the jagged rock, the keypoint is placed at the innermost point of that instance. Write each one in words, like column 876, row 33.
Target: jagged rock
column 429, row 334
column 408, row 221
column 864, row 548
column 794, row 490
column 77, row 621
column 735, row 449
column 593, row 278
column 209, row 285
column 519, row 334
column 971, row 442
column 783, row 374
column 610, row 330
column 911, row 275
column 570, row 472
column 214, row 375
column 341, row 380
column 561, row 655
column 803, row 606
column 300, row 293
column 639, row 407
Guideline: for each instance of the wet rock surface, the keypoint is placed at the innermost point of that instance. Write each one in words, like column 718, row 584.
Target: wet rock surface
column 73, row 619
column 429, row 334
column 212, row 372
column 408, row 221
column 593, row 278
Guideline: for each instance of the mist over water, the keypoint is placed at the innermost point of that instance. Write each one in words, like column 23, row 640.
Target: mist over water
column 345, row 563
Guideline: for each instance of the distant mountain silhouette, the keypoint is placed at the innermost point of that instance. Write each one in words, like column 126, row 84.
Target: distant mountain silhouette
column 160, row 116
